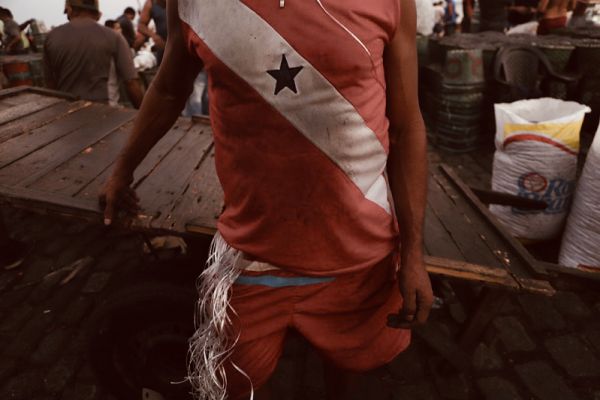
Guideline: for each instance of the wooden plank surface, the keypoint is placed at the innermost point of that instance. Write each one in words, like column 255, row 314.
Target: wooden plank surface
column 37, row 164
column 23, row 98
column 57, row 157
column 522, row 263
column 69, row 178
column 199, row 210
column 23, row 145
column 39, row 119
column 462, row 230
column 24, row 109
column 150, row 162
column 160, row 190
column 438, row 241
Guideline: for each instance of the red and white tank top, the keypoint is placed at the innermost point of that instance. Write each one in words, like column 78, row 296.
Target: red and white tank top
column 297, row 103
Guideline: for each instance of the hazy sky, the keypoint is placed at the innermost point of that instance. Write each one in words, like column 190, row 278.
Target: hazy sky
column 51, row 11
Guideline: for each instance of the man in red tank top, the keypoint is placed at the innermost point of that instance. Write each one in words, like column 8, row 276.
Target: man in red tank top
column 321, row 151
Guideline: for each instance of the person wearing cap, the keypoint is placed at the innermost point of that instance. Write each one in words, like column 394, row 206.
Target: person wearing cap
column 78, row 55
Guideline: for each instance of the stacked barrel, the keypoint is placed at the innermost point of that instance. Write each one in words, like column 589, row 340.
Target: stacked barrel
column 23, row 70
column 458, row 88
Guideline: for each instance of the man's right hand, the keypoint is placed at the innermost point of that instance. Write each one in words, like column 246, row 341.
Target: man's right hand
column 117, row 195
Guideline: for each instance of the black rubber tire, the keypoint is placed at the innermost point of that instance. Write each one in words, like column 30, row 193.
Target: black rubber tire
column 138, row 339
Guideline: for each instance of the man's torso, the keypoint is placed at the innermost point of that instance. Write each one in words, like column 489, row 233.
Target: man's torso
column 298, row 109
column 128, row 29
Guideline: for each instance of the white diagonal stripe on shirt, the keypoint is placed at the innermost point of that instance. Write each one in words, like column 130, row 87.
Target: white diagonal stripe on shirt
column 249, row 46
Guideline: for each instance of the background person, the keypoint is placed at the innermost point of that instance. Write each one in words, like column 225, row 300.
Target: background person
column 14, row 41
column 126, row 22
column 78, row 55
column 156, row 11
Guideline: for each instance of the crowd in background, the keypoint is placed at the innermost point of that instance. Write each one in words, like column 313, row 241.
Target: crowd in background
column 444, row 17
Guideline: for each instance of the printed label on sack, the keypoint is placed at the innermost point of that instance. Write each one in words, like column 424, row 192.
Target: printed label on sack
column 556, row 193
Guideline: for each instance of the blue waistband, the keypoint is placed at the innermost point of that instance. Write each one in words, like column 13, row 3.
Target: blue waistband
column 280, row 281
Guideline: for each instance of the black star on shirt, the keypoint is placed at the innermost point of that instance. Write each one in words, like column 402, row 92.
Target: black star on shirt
column 285, row 76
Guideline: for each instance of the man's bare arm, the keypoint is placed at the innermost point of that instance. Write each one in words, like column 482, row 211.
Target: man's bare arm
column 160, row 109
column 407, row 164
column 143, row 24
column 134, row 92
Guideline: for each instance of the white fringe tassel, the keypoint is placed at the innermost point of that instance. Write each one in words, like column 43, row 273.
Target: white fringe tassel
column 214, row 338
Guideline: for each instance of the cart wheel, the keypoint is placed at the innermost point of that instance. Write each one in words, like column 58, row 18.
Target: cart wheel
column 138, row 340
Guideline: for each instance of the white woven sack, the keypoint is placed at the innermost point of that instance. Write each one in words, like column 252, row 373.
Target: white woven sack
column 537, row 142
column 581, row 241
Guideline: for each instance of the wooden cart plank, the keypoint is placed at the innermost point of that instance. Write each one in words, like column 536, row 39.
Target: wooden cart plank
column 27, row 108
column 40, row 118
column 21, row 146
column 25, row 97
column 5, row 106
column 69, row 178
column 160, row 190
column 31, row 168
column 154, row 157
column 36, row 201
column 525, row 263
column 438, row 240
column 199, row 210
column 489, row 237
column 462, row 230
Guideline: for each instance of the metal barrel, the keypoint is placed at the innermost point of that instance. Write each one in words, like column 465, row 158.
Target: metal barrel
column 36, row 67
column 457, row 138
column 587, row 56
column 18, row 73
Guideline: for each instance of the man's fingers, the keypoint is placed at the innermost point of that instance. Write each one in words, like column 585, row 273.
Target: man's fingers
column 409, row 307
column 109, row 211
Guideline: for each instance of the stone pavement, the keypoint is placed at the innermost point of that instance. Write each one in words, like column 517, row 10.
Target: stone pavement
column 536, row 348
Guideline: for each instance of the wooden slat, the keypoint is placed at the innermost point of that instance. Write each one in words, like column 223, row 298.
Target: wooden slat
column 470, row 272
column 27, row 108
column 158, row 152
column 70, row 177
column 438, row 240
column 515, row 247
column 53, row 93
column 160, row 190
column 22, row 98
column 48, row 202
column 202, row 205
column 489, row 235
column 40, row 118
column 5, row 106
column 21, row 146
column 5, row 93
column 580, row 271
column 462, row 230
column 31, row 168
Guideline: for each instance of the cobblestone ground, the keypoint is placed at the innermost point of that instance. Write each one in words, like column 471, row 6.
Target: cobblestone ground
column 536, row 348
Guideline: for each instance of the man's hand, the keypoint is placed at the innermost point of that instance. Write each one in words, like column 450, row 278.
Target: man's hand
column 415, row 288
column 117, row 195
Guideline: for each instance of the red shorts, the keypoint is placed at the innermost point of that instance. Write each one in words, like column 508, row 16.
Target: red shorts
column 343, row 317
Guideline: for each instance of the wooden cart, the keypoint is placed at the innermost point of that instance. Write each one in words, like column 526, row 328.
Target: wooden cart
column 56, row 152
